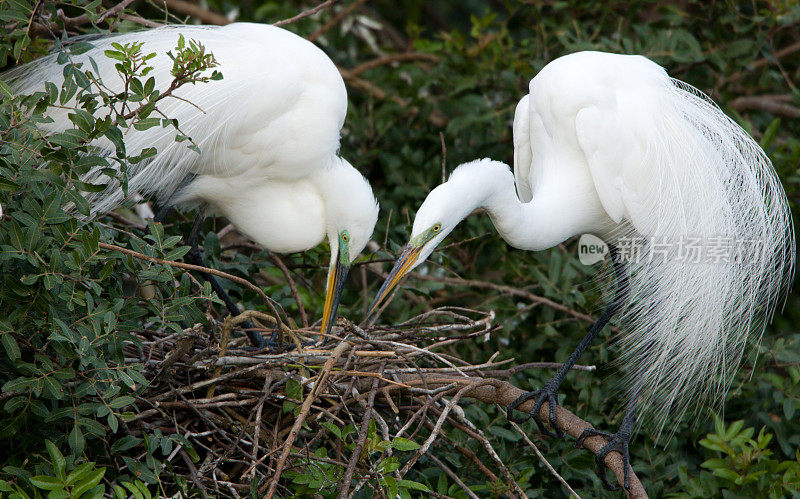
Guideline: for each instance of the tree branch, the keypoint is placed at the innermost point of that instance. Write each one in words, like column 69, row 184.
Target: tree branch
column 503, row 393
column 775, row 104
column 194, row 10
column 306, row 13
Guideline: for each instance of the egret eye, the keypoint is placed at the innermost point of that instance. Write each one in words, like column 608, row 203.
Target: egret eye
column 437, row 227
column 345, row 237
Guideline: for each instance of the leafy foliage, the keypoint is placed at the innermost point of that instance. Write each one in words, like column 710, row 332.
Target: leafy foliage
column 70, row 304
column 744, row 468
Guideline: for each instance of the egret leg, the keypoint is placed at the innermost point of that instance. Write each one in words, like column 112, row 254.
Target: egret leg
column 549, row 392
column 195, row 257
column 161, row 214
column 617, row 442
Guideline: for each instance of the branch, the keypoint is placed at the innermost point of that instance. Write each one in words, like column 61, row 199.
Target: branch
column 301, row 417
column 390, row 58
column 37, row 29
column 541, row 300
column 775, row 104
column 194, row 10
column 344, row 486
column 791, row 49
column 502, row 393
column 199, row 268
column 336, row 19
column 306, row 13
column 293, row 287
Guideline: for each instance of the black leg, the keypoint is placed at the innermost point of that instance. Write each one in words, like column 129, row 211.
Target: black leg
column 549, row 392
column 617, row 442
column 196, row 257
column 161, row 214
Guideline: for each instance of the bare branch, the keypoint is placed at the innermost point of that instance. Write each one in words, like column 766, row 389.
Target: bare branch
column 305, row 13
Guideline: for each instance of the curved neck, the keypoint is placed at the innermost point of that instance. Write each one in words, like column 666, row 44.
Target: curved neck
column 548, row 219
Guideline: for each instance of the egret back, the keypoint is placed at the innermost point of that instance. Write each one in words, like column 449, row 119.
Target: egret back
column 702, row 220
column 276, row 114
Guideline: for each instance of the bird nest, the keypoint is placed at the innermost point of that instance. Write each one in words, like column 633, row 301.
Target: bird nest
column 351, row 411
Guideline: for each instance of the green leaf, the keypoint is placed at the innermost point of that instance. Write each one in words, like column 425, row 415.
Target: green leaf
column 404, row 444
column 390, row 483
column 79, row 473
column 409, row 484
column 76, row 440
column 11, row 347
column 294, row 389
column 59, row 463
column 92, row 479
column 46, row 482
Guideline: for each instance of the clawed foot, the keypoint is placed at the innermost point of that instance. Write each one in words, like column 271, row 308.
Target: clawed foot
column 617, row 442
column 258, row 341
column 546, row 394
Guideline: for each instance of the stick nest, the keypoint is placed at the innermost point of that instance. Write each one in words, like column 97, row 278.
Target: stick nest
column 340, row 414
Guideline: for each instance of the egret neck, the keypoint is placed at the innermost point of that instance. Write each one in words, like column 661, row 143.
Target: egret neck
column 350, row 215
column 548, row 219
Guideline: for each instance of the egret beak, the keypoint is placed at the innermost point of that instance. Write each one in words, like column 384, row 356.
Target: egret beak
column 336, row 279
column 401, row 267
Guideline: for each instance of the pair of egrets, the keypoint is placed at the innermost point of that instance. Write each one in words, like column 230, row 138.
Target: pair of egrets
column 604, row 144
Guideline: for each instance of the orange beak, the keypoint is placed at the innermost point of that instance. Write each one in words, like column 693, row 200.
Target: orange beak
column 336, row 279
column 401, row 267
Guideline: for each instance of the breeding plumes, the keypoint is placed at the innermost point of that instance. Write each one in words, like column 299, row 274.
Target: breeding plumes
column 697, row 223
column 268, row 134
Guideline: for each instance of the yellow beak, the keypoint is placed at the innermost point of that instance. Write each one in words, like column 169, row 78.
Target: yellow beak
column 336, row 279
column 401, row 267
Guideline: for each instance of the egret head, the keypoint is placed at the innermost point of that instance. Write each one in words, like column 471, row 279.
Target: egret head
column 443, row 209
column 351, row 212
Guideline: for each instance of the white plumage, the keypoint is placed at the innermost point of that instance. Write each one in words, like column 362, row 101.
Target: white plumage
column 611, row 145
column 268, row 133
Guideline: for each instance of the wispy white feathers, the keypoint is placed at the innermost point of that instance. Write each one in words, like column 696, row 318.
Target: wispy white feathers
column 276, row 113
column 611, row 145
column 268, row 134
column 717, row 256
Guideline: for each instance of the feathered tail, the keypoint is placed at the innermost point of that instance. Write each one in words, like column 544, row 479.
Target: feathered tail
column 716, row 261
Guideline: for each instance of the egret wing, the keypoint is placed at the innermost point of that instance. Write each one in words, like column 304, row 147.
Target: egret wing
column 523, row 156
column 616, row 164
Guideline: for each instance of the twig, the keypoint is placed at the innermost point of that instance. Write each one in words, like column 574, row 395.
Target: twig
column 503, row 393
column 390, row 58
column 195, row 477
column 293, row 287
column 543, row 460
column 444, row 157
column 452, row 475
column 509, row 291
column 287, row 444
column 194, row 10
column 199, row 268
column 306, row 13
column 336, row 19
column 775, row 104
column 344, row 484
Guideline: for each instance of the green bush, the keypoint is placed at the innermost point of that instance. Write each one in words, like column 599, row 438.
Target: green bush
column 70, row 304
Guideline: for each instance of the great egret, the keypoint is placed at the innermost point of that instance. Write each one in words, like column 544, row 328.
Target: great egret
column 611, row 145
column 268, row 133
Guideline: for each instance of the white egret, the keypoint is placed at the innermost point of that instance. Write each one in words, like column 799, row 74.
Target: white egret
column 268, row 133
column 611, row 145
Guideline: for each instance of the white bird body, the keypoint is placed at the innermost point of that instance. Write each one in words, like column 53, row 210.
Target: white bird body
column 267, row 131
column 611, row 145
column 268, row 134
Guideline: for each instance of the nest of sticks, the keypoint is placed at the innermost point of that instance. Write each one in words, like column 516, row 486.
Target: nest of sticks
column 334, row 411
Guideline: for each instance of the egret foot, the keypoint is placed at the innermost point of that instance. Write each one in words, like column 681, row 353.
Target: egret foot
column 549, row 394
column 617, row 442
